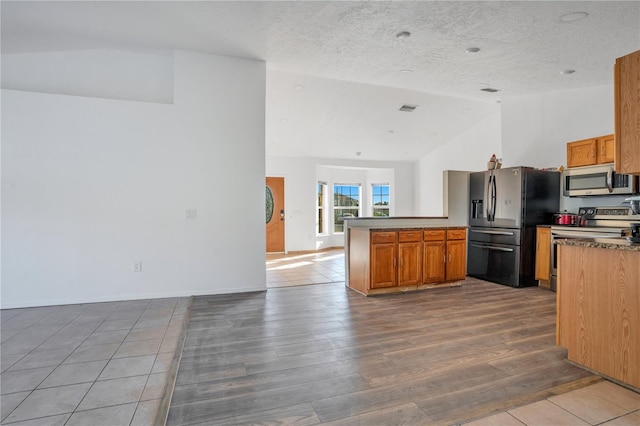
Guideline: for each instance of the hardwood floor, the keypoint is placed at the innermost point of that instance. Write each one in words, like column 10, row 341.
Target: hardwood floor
column 325, row 354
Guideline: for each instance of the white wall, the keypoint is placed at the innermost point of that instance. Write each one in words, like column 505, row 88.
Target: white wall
column 91, row 185
column 536, row 129
column 469, row 152
column 301, row 177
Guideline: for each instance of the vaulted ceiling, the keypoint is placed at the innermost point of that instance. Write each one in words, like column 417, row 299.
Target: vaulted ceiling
column 338, row 72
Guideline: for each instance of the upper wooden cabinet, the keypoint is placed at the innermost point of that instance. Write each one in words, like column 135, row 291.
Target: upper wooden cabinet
column 627, row 113
column 605, row 149
column 581, row 153
column 592, row 151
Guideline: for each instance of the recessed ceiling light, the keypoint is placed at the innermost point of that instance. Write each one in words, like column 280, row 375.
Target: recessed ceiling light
column 358, row 153
column 403, row 35
column 566, row 72
column 466, row 110
column 573, row 16
column 298, row 87
column 408, row 108
column 406, row 71
column 472, row 49
column 490, row 90
column 433, row 134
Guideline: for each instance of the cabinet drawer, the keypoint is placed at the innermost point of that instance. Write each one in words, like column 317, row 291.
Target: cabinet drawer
column 434, row 234
column 409, row 236
column 456, row 234
column 383, row 237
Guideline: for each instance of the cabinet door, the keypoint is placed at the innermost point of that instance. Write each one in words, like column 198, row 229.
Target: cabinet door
column 627, row 113
column 383, row 265
column 606, row 149
column 409, row 263
column 543, row 254
column 434, row 261
column 456, row 260
column 581, row 153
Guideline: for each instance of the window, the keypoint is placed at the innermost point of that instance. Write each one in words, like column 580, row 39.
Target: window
column 380, row 200
column 346, row 203
column 321, row 201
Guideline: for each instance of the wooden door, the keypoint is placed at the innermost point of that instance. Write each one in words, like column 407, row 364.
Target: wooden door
column 581, row 153
column 274, row 208
column 456, row 260
column 606, row 149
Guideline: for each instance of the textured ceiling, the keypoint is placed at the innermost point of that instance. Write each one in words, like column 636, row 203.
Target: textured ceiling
column 347, row 57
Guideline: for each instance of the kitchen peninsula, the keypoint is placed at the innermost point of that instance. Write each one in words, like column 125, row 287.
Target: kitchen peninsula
column 387, row 255
column 599, row 306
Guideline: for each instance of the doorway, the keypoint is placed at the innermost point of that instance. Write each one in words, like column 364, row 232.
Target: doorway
column 274, row 208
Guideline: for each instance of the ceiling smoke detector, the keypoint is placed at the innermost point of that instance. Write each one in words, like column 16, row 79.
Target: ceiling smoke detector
column 489, row 90
column 472, row 49
column 408, row 108
column 403, row 35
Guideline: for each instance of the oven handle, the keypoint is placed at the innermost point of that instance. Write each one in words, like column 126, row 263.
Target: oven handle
column 492, row 248
column 494, row 232
column 578, row 234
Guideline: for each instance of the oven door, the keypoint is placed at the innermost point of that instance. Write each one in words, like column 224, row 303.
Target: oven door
column 498, row 263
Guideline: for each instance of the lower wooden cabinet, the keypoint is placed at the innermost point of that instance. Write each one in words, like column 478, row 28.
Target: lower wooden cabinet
column 456, row 267
column 445, row 255
column 383, row 261
column 543, row 256
column 409, row 257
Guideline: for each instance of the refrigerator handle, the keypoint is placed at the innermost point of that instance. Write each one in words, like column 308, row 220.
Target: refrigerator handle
column 488, row 197
column 494, row 195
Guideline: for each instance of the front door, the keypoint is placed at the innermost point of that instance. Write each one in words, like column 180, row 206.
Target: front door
column 274, row 206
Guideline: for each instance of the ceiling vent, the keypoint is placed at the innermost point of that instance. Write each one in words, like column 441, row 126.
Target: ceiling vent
column 489, row 89
column 408, row 108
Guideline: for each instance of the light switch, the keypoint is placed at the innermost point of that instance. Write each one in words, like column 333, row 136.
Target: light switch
column 191, row 214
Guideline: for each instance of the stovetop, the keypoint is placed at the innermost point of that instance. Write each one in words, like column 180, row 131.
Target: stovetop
column 614, row 220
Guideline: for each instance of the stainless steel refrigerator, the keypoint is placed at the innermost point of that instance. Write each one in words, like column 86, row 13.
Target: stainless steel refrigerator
column 505, row 207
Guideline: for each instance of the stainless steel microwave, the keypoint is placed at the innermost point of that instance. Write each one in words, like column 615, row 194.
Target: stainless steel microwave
column 597, row 180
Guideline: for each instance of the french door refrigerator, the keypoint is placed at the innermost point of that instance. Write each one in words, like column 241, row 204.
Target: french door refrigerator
column 505, row 207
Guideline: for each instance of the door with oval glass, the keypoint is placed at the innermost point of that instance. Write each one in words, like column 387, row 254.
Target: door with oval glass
column 274, row 207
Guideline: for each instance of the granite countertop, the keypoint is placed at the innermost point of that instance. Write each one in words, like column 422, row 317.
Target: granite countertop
column 618, row 243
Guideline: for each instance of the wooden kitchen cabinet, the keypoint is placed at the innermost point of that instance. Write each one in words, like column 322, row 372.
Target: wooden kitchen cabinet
column 588, row 152
column 598, row 304
column 456, row 267
column 445, row 255
column 626, row 88
column 383, row 259
column 386, row 261
column 581, row 153
column 605, row 149
column 409, row 257
column 435, row 249
column 543, row 256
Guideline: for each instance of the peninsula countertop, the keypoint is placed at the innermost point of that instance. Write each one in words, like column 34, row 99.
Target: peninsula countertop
column 617, row 243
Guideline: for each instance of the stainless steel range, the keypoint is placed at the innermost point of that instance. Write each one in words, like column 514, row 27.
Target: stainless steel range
column 601, row 222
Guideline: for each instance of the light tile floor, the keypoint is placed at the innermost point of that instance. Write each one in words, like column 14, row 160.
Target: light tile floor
column 294, row 269
column 88, row 364
column 603, row 403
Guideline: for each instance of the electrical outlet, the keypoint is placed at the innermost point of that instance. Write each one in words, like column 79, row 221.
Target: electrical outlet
column 137, row 266
column 191, row 214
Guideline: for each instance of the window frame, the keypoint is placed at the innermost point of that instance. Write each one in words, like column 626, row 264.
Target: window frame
column 386, row 207
column 321, row 208
column 334, row 208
